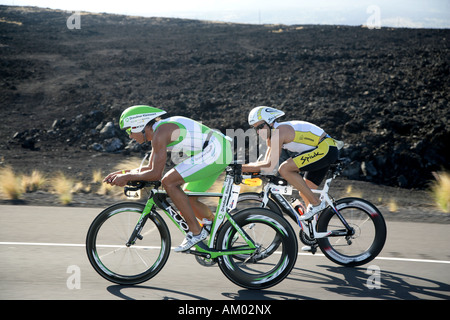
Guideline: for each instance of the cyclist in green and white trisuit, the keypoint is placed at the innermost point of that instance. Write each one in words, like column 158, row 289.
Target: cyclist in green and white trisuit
column 209, row 152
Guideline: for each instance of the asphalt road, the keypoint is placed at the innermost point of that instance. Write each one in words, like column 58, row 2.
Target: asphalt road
column 42, row 256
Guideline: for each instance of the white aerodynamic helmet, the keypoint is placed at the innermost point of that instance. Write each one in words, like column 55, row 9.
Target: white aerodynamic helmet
column 261, row 113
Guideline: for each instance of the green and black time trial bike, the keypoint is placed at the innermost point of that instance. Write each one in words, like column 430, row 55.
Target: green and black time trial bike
column 129, row 243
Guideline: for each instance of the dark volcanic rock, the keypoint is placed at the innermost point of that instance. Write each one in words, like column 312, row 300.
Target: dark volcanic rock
column 385, row 92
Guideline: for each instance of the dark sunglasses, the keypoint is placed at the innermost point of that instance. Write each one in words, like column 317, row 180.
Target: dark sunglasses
column 257, row 128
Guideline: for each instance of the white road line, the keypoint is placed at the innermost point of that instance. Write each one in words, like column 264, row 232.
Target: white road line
column 42, row 244
column 301, row 254
column 389, row 258
column 412, row 260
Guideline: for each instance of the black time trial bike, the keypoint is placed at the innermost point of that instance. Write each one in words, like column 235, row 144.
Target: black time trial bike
column 350, row 231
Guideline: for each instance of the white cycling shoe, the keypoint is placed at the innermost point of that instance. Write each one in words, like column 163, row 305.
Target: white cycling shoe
column 313, row 210
column 191, row 240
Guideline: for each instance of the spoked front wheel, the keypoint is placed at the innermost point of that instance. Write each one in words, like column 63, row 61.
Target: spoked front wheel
column 248, row 200
column 258, row 270
column 114, row 257
column 367, row 236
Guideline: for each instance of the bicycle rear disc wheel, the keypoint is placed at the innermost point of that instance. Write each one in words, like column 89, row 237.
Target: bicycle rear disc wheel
column 369, row 232
column 259, row 270
column 113, row 259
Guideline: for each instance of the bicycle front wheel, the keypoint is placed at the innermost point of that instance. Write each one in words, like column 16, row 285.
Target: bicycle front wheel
column 258, row 270
column 367, row 240
column 113, row 259
column 255, row 200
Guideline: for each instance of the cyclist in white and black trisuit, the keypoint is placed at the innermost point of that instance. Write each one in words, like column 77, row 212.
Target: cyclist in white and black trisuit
column 294, row 146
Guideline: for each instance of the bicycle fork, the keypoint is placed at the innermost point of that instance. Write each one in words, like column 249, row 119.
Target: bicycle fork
column 136, row 234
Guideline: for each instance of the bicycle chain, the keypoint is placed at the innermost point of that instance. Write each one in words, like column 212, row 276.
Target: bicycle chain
column 306, row 239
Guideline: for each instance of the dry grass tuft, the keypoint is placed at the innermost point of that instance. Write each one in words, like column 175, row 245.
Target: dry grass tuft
column 63, row 186
column 129, row 164
column 97, row 176
column 33, row 182
column 392, row 206
column 353, row 193
column 10, row 184
column 106, row 189
column 440, row 190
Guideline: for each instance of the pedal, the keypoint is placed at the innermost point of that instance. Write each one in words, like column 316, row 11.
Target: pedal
column 198, row 253
column 314, row 248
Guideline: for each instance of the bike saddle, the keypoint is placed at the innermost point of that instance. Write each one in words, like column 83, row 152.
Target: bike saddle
column 277, row 180
column 339, row 165
column 236, row 163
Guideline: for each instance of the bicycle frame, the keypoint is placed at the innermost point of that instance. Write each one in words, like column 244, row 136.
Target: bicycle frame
column 277, row 191
column 227, row 202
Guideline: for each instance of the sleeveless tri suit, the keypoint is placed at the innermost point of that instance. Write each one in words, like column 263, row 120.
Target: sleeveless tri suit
column 208, row 151
column 312, row 150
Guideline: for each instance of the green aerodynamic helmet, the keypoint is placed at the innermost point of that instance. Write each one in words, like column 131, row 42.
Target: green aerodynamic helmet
column 135, row 118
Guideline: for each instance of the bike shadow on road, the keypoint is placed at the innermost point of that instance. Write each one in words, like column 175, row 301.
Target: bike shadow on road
column 264, row 295
column 372, row 283
column 120, row 291
column 346, row 282
column 161, row 293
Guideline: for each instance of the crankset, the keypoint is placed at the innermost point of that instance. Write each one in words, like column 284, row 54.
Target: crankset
column 306, row 239
column 204, row 261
